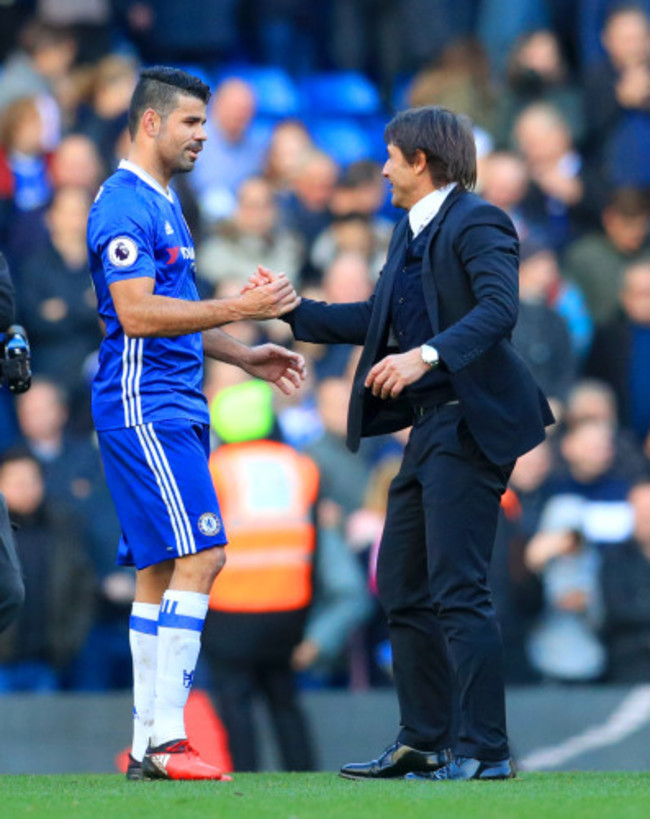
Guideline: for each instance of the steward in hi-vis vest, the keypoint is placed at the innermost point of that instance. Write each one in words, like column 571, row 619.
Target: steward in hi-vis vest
column 282, row 602
column 267, row 492
column 258, row 609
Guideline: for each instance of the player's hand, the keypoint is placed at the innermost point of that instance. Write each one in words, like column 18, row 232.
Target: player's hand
column 276, row 364
column 389, row 377
column 269, row 299
column 261, row 276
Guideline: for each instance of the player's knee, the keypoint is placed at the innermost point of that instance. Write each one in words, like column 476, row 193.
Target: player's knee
column 198, row 571
column 220, row 559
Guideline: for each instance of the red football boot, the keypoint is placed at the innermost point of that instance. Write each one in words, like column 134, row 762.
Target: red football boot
column 178, row 760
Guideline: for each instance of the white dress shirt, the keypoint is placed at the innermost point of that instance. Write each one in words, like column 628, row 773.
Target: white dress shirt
column 427, row 208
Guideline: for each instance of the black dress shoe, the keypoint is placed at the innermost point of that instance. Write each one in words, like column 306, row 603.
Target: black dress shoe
column 464, row 767
column 396, row 761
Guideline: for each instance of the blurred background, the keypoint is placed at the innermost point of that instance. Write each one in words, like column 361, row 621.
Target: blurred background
column 559, row 95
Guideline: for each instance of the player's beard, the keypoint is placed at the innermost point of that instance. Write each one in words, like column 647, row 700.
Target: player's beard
column 186, row 163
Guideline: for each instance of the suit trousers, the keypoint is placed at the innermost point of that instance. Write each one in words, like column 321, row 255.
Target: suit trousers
column 434, row 556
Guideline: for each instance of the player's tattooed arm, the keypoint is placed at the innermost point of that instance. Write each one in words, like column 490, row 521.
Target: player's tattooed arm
column 270, row 362
column 142, row 313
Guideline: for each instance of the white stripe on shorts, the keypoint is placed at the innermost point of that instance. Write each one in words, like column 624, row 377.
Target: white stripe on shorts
column 175, row 495
column 180, row 534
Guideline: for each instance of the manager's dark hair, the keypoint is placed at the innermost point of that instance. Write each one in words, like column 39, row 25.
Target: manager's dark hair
column 445, row 138
column 158, row 88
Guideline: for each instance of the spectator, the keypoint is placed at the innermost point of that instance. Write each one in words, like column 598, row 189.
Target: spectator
column 350, row 233
column 620, row 354
column 307, row 209
column 625, row 581
column 591, row 400
column 499, row 32
column 586, row 510
column 372, row 660
column 71, row 466
column 37, row 648
column 41, row 66
column 556, row 171
column 57, row 300
column 538, row 73
column 232, row 153
column 74, row 479
column 25, row 184
column 540, row 270
column 346, row 280
column 289, row 141
column 250, row 236
column 592, row 16
column 361, row 189
column 76, row 163
column 530, row 483
column 515, row 589
column 587, row 495
column 88, row 19
column 595, row 262
column 564, row 645
column 343, row 476
column 460, row 80
column 617, row 97
column 504, row 181
column 541, row 334
column 103, row 114
column 356, row 226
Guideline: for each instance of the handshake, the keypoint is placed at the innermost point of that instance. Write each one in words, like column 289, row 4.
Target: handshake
column 267, row 295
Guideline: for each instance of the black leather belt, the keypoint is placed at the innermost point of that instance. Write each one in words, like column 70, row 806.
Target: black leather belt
column 421, row 409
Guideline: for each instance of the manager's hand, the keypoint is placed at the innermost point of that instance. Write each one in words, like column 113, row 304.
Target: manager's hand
column 263, row 277
column 270, row 298
column 389, row 377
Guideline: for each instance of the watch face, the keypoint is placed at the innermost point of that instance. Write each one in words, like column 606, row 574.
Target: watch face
column 429, row 355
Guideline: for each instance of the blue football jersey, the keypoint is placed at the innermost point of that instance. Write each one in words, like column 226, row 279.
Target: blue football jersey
column 135, row 229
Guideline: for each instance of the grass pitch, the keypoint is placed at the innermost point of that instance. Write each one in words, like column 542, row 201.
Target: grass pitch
column 326, row 796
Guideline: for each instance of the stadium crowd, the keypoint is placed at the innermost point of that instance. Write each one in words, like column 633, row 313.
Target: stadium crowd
column 559, row 94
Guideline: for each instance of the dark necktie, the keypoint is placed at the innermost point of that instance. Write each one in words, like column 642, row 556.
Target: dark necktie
column 409, row 236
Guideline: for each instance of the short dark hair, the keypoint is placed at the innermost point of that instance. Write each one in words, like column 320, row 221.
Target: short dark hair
column 158, row 88
column 360, row 172
column 628, row 202
column 445, row 138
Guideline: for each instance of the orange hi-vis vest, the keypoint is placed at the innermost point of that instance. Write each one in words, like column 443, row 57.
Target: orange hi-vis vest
column 266, row 492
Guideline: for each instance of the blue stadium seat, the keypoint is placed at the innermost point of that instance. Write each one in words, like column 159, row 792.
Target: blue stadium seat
column 275, row 91
column 343, row 139
column 345, row 93
column 374, row 128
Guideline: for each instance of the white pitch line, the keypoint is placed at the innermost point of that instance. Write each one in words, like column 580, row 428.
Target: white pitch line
column 631, row 715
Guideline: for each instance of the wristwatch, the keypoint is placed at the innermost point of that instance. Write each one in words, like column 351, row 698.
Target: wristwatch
column 430, row 356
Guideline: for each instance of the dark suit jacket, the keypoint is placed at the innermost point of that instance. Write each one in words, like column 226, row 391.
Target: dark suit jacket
column 470, row 281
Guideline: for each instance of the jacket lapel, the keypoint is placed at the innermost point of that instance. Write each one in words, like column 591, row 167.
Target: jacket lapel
column 394, row 263
column 428, row 276
column 442, row 213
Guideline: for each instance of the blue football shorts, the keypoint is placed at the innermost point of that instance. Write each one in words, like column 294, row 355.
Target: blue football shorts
column 161, row 486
